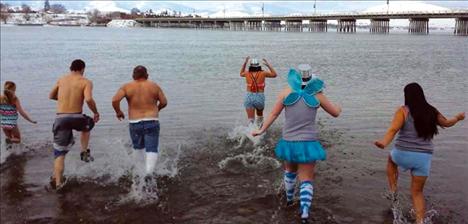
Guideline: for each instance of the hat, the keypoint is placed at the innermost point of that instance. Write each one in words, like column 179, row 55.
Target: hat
column 254, row 63
column 305, row 70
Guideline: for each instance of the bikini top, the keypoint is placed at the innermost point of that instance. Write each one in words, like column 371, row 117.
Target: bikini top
column 307, row 93
column 255, row 81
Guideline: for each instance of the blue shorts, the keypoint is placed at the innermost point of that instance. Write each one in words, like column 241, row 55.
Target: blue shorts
column 254, row 100
column 145, row 135
column 419, row 163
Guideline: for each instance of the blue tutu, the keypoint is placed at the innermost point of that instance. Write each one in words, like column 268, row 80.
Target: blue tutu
column 300, row 151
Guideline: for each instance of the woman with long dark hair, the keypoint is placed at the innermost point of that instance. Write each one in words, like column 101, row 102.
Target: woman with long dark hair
column 416, row 123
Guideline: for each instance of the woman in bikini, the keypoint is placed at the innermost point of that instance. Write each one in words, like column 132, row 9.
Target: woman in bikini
column 254, row 101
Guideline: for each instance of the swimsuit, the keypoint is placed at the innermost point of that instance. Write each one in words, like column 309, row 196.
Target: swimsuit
column 63, row 130
column 299, row 143
column 9, row 116
column 255, row 97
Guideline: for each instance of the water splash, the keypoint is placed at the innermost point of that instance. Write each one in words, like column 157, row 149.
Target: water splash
column 6, row 150
column 243, row 133
column 400, row 204
column 116, row 160
column 255, row 160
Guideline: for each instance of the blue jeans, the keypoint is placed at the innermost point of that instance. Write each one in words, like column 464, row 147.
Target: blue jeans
column 145, row 134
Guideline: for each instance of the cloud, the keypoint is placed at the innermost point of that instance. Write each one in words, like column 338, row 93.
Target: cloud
column 105, row 6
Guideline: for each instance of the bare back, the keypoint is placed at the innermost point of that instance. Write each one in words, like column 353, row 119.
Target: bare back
column 71, row 93
column 142, row 97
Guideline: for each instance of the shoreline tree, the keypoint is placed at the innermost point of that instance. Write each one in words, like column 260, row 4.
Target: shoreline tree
column 46, row 6
column 4, row 12
column 58, row 9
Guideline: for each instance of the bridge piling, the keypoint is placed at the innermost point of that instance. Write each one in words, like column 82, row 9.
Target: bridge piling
column 272, row 25
column 418, row 26
column 318, row 26
column 380, row 26
column 461, row 26
column 294, row 25
column 346, row 26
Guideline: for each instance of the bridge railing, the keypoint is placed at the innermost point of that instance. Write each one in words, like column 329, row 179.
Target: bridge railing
column 355, row 13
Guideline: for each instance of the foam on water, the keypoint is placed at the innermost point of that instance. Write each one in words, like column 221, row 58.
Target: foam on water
column 400, row 204
column 6, row 150
column 115, row 159
column 249, row 160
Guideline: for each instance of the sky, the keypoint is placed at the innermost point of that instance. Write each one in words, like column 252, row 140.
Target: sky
column 230, row 7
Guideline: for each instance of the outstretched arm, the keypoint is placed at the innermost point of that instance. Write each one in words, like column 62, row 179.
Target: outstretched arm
column 242, row 71
column 272, row 72
column 333, row 109
column 22, row 112
column 274, row 113
column 88, row 96
column 116, row 103
column 53, row 95
column 395, row 126
column 444, row 122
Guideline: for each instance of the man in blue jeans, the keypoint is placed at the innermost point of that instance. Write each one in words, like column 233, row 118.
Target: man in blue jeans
column 145, row 99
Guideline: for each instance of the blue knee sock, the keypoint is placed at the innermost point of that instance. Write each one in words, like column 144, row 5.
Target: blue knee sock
column 307, row 193
column 289, row 184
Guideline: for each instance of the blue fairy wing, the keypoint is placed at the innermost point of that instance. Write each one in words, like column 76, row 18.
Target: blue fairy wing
column 314, row 86
column 310, row 100
column 294, row 80
column 292, row 98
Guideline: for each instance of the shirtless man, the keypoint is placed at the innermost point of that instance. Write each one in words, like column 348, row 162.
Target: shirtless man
column 71, row 91
column 145, row 99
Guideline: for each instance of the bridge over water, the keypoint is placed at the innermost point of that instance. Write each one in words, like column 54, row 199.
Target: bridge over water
column 346, row 22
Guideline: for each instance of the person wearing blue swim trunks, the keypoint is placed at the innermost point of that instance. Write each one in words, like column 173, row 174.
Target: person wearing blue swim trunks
column 145, row 100
column 254, row 101
column 299, row 146
column 416, row 124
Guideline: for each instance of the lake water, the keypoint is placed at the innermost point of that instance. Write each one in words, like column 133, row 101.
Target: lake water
column 204, row 175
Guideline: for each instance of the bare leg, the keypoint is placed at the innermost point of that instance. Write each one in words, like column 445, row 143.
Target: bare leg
column 392, row 175
column 259, row 113
column 417, row 187
column 250, row 114
column 15, row 135
column 306, row 171
column 85, row 140
column 290, row 167
column 8, row 133
column 59, row 164
column 259, row 119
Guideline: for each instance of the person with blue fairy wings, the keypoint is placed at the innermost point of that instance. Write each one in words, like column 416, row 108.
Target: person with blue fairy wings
column 299, row 146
